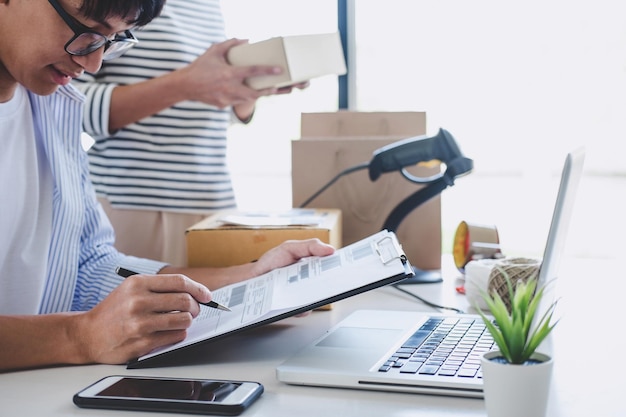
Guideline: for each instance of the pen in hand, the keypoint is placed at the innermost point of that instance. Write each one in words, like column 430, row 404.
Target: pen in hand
column 125, row 273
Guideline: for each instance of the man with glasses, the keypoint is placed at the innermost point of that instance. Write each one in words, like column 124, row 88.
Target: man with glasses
column 60, row 299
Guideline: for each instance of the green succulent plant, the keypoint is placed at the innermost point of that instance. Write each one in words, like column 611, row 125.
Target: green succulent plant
column 514, row 330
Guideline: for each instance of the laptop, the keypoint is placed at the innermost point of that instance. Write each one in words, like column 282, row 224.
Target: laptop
column 405, row 351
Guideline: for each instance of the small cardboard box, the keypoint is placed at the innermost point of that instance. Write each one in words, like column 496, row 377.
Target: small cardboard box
column 333, row 142
column 217, row 241
column 302, row 57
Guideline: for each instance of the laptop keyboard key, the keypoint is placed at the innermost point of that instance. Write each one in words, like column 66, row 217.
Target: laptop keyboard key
column 467, row 373
column 447, row 372
column 428, row 369
column 411, row 367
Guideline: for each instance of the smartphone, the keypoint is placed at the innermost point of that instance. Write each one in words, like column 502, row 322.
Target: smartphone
column 179, row 395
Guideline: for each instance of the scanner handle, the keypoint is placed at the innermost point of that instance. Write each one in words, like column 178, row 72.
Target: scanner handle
column 396, row 156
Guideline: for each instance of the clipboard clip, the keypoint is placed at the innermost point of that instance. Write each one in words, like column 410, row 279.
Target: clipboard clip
column 388, row 250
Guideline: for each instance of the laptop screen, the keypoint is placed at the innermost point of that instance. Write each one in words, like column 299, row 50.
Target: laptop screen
column 557, row 236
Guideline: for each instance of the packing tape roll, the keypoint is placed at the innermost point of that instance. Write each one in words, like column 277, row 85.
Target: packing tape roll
column 473, row 241
column 477, row 280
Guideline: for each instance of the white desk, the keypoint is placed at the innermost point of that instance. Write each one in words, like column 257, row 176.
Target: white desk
column 579, row 388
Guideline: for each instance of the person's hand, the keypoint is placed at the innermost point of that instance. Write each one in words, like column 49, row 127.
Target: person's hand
column 212, row 80
column 289, row 252
column 245, row 109
column 143, row 313
column 288, row 89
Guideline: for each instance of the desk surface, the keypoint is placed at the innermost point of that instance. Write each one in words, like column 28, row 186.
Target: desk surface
column 579, row 388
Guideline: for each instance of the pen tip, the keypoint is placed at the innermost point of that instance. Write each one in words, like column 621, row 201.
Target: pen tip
column 221, row 307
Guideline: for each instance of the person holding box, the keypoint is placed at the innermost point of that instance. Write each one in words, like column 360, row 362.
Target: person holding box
column 159, row 116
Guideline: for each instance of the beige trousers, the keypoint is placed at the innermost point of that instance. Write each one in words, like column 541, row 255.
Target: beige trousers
column 157, row 235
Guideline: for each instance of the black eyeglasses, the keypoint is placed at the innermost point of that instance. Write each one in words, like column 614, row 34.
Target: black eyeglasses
column 86, row 41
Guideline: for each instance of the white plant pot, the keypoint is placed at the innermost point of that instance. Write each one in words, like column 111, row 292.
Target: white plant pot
column 516, row 390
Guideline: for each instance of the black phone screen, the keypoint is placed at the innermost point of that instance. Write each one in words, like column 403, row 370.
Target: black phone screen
column 173, row 389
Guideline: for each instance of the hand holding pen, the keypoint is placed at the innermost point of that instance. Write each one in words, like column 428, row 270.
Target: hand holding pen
column 125, row 273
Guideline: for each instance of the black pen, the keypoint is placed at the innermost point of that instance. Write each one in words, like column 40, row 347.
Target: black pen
column 125, row 273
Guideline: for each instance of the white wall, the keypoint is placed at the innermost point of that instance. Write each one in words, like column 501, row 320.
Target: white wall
column 517, row 83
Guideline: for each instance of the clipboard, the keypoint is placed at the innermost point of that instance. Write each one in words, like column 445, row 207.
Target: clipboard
column 312, row 282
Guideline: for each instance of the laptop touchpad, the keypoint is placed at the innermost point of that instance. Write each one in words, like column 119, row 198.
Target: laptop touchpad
column 359, row 337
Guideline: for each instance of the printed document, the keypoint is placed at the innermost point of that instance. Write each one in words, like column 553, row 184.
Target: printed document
column 350, row 270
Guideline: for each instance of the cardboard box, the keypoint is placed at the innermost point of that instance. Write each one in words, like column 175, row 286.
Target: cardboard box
column 302, row 57
column 333, row 142
column 212, row 242
column 352, row 125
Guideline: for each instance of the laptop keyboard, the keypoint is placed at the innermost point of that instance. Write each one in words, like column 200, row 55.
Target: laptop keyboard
column 443, row 346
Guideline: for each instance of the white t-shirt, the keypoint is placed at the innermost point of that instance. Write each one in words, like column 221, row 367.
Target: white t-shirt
column 25, row 209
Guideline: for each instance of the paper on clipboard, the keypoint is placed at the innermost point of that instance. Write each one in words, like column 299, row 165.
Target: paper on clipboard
column 309, row 283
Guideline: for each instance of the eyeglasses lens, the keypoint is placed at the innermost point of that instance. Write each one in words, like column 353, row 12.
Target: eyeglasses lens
column 85, row 43
column 88, row 42
column 117, row 48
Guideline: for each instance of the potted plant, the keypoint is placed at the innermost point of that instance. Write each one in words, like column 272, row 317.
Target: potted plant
column 516, row 378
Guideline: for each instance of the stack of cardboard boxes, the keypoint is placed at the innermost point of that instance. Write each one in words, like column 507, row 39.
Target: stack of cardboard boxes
column 333, row 142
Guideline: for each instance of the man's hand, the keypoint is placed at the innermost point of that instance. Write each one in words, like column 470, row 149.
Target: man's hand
column 289, row 252
column 212, row 80
column 145, row 312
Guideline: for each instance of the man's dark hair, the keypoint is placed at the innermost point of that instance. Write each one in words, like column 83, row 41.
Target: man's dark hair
column 137, row 12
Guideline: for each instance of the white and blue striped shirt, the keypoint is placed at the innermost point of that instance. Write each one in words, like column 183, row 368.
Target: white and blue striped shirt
column 81, row 260
column 174, row 160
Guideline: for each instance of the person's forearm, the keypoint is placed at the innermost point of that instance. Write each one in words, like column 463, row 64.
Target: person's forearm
column 130, row 103
column 36, row 341
column 285, row 254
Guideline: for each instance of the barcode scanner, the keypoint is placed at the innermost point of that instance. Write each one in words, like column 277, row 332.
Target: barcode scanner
column 408, row 152
column 398, row 156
